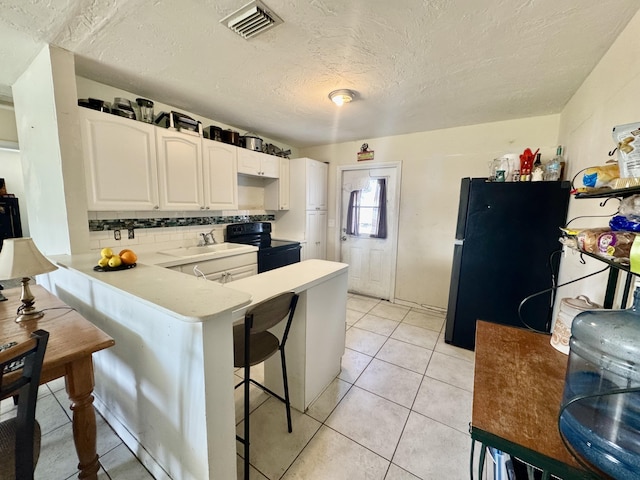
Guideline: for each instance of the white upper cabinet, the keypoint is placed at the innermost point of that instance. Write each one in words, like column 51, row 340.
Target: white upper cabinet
column 179, row 170
column 258, row 164
column 220, row 175
column 317, row 173
column 120, row 162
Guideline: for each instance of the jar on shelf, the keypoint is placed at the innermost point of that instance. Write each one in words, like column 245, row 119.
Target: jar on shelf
column 600, row 411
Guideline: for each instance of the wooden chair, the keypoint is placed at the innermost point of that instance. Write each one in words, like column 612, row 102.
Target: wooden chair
column 20, row 435
column 253, row 344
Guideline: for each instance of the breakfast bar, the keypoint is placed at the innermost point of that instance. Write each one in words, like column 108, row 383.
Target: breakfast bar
column 167, row 386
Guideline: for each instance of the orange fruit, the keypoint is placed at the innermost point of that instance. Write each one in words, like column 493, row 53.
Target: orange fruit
column 128, row 257
column 124, row 250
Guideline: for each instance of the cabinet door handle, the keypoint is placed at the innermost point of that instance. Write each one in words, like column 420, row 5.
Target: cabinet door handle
column 156, row 207
column 207, row 208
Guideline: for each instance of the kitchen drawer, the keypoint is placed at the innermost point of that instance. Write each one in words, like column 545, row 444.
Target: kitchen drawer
column 209, row 267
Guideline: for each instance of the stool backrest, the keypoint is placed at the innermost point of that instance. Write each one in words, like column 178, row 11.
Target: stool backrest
column 271, row 311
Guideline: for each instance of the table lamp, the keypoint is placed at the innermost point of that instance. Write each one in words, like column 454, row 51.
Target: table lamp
column 20, row 258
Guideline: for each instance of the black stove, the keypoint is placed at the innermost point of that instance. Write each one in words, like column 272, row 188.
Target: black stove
column 271, row 253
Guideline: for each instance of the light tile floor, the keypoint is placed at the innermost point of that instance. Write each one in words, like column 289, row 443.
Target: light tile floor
column 399, row 410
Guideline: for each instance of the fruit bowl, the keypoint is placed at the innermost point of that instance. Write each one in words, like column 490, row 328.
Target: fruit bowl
column 107, row 268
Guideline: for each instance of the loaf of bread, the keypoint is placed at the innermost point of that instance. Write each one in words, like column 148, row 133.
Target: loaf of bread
column 588, row 239
column 615, row 245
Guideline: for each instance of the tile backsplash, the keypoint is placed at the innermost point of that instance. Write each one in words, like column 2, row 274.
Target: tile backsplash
column 126, row 223
column 112, row 231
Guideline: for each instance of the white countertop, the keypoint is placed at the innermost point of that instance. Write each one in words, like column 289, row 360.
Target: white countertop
column 296, row 278
column 163, row 260
column 192, row 299
column 183, row 296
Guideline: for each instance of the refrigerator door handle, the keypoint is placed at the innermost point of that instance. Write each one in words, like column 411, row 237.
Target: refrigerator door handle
column 458, row 241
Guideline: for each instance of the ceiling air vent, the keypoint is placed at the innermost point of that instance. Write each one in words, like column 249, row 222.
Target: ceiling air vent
column 252, row 19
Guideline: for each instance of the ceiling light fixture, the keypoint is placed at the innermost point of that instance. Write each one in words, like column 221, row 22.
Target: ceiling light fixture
column 342, row 96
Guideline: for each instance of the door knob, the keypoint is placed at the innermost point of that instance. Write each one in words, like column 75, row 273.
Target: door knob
column 344, row 238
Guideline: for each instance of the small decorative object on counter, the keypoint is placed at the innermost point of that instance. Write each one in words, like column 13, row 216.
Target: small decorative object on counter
column 516, row 175
column 500, row 176
column 600, row 414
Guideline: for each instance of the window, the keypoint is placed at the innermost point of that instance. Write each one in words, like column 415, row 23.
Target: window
column 367, row 211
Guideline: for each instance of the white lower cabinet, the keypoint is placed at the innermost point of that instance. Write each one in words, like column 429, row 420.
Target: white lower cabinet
column 316, row 235
column 223, row 270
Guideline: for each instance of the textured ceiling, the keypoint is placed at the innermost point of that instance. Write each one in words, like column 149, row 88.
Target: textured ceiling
column 416, row 64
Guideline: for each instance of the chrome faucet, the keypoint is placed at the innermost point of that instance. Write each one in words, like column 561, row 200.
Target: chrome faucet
column 207, row 239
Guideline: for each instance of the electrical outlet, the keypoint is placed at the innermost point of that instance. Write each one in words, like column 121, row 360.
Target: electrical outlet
column 116, row 235
column 131, row 235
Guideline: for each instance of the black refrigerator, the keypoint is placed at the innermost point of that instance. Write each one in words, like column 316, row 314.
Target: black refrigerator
column 506, row 236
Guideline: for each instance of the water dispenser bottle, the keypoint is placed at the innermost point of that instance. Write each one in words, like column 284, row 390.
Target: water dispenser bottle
column 600, row 412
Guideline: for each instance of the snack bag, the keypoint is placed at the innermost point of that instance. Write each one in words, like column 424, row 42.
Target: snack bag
column 627, row 139
column 597, row 177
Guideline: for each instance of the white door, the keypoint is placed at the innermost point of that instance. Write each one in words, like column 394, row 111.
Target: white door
column 364, row 245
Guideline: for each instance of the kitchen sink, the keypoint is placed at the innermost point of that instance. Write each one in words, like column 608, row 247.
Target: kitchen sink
column 207, row 249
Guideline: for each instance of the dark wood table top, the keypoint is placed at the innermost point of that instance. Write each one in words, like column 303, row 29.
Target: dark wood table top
column 518, row 385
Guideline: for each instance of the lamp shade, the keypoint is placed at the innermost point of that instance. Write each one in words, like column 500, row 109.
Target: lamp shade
column 20, row 258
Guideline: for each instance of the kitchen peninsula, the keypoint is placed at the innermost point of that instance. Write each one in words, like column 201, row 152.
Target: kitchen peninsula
column 167, row 385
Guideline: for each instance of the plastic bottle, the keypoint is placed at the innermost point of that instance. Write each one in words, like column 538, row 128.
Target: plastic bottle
column 562, row 162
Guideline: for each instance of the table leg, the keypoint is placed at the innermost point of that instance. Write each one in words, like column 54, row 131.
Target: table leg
column 80, row 383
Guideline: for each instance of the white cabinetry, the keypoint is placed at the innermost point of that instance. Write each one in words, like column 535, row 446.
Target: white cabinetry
column 224, row 270
column 120, row 162
column 220, row 175
column 132, row 165
column 306, row 220
column 317, row 173
column 276, row 192
column 317, row 234
column 179, row 170
column 258, row 164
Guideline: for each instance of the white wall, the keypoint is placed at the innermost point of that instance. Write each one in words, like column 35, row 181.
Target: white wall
column 608, row 97
column 47, row 124
column 432, row 165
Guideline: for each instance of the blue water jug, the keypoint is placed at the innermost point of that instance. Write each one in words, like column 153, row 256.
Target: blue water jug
column 600, row 412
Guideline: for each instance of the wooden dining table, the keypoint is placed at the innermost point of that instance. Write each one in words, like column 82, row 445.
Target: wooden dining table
column 72, row 341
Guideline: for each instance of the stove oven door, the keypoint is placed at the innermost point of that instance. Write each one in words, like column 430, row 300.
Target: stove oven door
column 270, row 258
